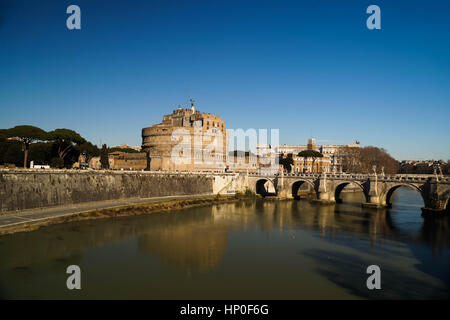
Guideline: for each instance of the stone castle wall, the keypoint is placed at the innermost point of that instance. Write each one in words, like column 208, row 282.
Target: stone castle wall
column 21, row 190
column 185, row 129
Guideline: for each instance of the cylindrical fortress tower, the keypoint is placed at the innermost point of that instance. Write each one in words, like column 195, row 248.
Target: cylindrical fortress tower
column 185, row 131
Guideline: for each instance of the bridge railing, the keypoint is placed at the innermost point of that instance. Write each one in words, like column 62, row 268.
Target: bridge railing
column 421, row 178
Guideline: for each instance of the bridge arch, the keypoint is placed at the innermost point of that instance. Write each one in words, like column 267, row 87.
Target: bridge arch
column 341, row 185
column 296, row 185
column 386, row 198
column 265, row 187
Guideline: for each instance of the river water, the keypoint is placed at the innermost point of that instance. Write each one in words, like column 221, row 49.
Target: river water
column 246, row 250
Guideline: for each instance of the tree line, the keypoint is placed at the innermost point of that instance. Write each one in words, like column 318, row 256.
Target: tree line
column 59, row 148
column 367, row 160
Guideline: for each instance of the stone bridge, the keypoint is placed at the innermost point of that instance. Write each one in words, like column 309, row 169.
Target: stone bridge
column 377, row 189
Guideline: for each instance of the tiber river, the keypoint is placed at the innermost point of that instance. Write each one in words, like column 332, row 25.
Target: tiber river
column 247, row 250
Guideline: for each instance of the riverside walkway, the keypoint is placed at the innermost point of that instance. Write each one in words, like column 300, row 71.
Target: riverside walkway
column 36, row 216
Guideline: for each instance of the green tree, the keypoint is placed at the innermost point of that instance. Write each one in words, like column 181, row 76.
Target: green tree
column 26, row 134
column 65, row 141
column 310, row 154
column 3, row 134
column 287, row 162
column 57, row 163
column 11, row 152
column 104, row 161
column 41, row 152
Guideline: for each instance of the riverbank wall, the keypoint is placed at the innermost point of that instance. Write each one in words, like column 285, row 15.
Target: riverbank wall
column 27, row 189
column 30, row 224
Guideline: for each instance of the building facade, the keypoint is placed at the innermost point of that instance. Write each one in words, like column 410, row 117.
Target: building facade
column 332, row 155
column 311, row 164
column 127, row 161
column 303, row 164
column 186, row 140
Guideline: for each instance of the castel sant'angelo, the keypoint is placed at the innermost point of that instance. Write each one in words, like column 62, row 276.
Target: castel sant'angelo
column 186, row 131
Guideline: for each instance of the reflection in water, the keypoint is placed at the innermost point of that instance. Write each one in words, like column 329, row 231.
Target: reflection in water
column 189, row 248
column 435, row 232
column 250, row 249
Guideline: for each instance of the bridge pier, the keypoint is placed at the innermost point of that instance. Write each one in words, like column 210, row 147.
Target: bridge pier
column 435, row 199
column 372, row 196
column 373, row 201
column 282, row 190
column 324, row 195
column 325, row 198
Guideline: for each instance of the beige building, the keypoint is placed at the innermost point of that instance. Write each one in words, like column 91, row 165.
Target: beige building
column 302, row 164
column 95, row 163
column 127, row 161
column 331, row 153
column 186, row 140
column 311, row 165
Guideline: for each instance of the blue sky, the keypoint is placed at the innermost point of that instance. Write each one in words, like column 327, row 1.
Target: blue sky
column 309, row 68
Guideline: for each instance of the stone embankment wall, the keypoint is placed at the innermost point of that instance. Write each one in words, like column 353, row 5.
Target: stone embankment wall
column 230, row 183
column 20, row 189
